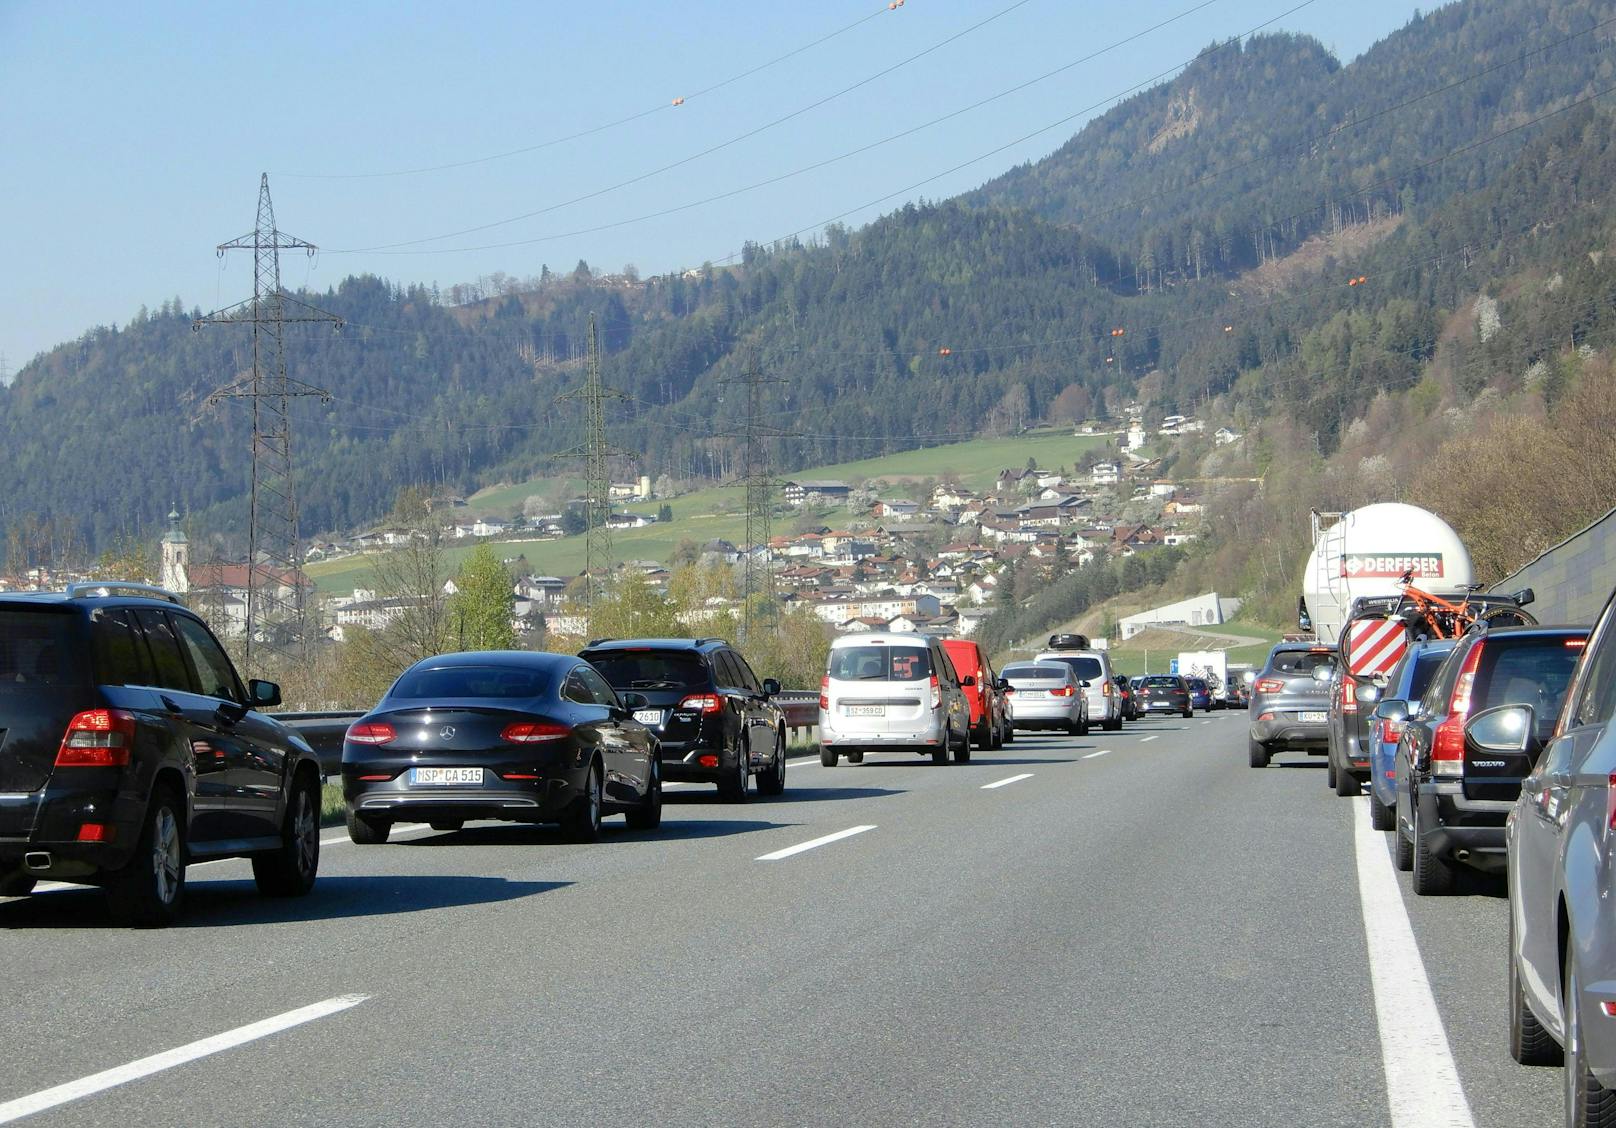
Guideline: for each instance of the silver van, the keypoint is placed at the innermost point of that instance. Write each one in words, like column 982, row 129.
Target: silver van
column 1093, row 668
column 896, row 692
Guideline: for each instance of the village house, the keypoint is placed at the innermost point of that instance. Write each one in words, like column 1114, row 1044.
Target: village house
column 805, row 492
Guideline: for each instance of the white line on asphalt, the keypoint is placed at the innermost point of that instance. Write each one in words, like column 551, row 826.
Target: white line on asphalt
column 1422, row 1083
column 1104, row 751
column 1146, row 740
column 1002, row 782
column 168, row 1059
column 801, row 846
column 1207, row 721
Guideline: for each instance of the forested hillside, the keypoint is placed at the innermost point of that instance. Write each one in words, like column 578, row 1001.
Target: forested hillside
column 941, row 319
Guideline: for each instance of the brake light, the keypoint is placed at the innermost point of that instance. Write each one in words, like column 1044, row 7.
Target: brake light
column 534, row 732
column 704, row 702
column 98, row 738
column 1391, row 731
column 1107, row 689
column 1447, row 743
column 824, row 692
column 1349, row 695
column 936, row 693
column 1576, row 643
column 371, row 732
column 97, row 832
column 1063, row 691
column 1269, row 685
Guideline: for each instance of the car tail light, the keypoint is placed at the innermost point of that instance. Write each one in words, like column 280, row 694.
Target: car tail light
column 371, row 732
column 99, row 738
column 1349, row 695
column 703, row 702
column 97, row 832
column 1269, row 685
column 1391, row 731
column 707, row 761
column 534, row 732
column 1265, row 716
column 1448, row 743
column 824, row 692
column 518, row 775
column 936, row 693
column 1144, row 691
column 1107, row 689
column 1063, row 691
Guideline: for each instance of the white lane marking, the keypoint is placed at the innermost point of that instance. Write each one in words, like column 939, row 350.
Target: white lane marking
column 825, row 841
column 168, row 1059
column 1003, row 782
column 1102, row 752
column 1146, row 739
column 1207, row 721
column 1422, row 1082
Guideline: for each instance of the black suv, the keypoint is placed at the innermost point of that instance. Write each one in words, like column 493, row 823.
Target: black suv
column 129, row 747
column 716, row 721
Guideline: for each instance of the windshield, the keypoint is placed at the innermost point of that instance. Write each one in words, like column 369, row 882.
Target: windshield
column 628, row 669
column 35, row 648
column 1526, row 671
column 880, row 663
column 1301, row 661
column 1035, row 673
column 1087, row 669
column 470, row 681
column 1162, row 682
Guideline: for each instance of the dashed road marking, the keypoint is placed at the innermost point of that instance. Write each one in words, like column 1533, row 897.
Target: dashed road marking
column 1146, row 740
column 1102, row 752
column 1003, row 782
column 814, row 843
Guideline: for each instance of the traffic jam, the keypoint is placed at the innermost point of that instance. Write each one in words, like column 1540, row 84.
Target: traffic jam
column 1481, row 742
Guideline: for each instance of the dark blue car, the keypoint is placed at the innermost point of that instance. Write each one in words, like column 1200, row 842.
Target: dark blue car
column 1407, row 682
column 1200, row 694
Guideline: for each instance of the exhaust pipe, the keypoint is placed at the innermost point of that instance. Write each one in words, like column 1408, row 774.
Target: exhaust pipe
column 1461, row 854
column 39, row 860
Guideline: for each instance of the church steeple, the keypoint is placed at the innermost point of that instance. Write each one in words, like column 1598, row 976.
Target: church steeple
column 176, row 557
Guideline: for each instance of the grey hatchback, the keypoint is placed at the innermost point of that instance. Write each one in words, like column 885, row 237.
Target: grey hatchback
column 1290, row 702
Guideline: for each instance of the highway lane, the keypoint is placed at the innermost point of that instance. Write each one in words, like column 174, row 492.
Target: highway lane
column 1153, row 935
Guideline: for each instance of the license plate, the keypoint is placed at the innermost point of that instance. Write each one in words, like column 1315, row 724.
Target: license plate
column 1161, row 704
column 651, row 717
column 1313, row 718
column 445, row 777
column 865, row 710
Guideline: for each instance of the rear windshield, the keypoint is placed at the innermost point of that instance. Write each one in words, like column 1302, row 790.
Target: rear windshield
column 1196, row 683
column 1028, row 673
column 36, row 649
column 471, row 681
column 1525, row 671
column 1425, row 667
column 880, row 663
column 1169, row 683
column 1087, row 669
column 1301, row 661
column 627, row 669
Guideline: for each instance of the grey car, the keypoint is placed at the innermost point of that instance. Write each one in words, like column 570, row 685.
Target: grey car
column 1562, row 935
column 1047, row 695
column 1290, row 702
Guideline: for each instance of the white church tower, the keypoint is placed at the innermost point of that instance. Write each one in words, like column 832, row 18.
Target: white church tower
column 176, row 558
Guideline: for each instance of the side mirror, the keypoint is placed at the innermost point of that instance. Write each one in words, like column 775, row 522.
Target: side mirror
column 967, row 682
column 632, row 701
column 1007, row 688
column 1303, row 619
column 1084, row 684
column 1249, row 677
column 1510, row 729
column 1524, row 596
column 1002, row 686
column 263, row 694
column 770, row 687
column 1392, row 709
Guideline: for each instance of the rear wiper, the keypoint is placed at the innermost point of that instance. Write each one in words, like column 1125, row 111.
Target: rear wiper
column 871, row 677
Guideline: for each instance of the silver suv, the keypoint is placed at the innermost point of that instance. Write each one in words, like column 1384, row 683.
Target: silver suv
column 1290, row 702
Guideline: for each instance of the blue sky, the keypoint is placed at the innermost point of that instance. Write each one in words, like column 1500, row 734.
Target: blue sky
column 133, row 135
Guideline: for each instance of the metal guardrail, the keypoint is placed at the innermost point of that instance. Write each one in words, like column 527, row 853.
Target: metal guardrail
column 324, row 730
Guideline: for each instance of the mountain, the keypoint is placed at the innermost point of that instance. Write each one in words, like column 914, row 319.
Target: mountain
column 936, row 321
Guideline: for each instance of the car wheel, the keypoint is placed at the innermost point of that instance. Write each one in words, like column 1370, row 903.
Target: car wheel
column 1588, row 1104
column 1433, row 876
column 448, row 826
column 735, row 788
column 773, row 781
column 939, row 754
column 582, row 823
column 150, row 889
column 1009, row 734
column 1529, row 1042
column 856, row 756
column 366, row 831
column 1329, row 772
column 17, row 883
column 1346, row 784
column 648, row 815
column 829, row 756
column 290, row 871
column 1256, row 753
column 1402, row 848
column 962, row 750
column 1381, row 817
column 1189, row 714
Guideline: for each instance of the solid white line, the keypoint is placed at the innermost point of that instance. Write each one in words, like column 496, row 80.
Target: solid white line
column 168, row 1059
column 1002, row 782
column 1422, row 1082
column 1146, row 740
column 1103, row 752
column 801, row 846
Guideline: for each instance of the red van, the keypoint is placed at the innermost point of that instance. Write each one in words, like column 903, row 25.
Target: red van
column 988, row 726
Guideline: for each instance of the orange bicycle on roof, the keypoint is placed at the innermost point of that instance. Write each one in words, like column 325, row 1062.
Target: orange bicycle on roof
column 1432, row 616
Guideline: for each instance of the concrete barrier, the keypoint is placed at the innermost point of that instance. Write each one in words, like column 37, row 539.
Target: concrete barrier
column 1573, row 579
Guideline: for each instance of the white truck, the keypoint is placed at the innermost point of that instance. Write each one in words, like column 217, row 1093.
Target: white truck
column 1211, row 666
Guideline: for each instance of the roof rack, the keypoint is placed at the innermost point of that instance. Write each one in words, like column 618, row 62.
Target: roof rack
column 97, row 589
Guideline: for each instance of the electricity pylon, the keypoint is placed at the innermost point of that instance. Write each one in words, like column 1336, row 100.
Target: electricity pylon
column 596, row 454
column 274, row 573
column 758, row 581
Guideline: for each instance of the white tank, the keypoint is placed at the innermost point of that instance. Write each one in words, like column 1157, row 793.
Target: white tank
column 1366, row 551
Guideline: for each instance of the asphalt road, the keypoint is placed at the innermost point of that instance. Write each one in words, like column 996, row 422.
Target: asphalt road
column 1142, row 931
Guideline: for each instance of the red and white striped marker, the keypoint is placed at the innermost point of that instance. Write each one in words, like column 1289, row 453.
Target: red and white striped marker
column 1374, row 646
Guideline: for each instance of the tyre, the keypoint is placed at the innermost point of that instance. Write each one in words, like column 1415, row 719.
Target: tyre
column 149, row 890
column 983, row 736
column 1256, row 753
column 1346, row 784
column 829, row 756
column 648, row 815
column 446, row 825
column 736, row 788
column 582, row 823
column 1329, row 772
column 773, row 781
column 1402, row 848
column 962, row 750
column 290, row 871
column 1189, row 714
column 1381, row 817
column 939, row 755
column 856, row 756
column 1588, row 1104
column 1529, row 1043
column 17, row 883
column 1433, row 876
column 366, row 831
column 1009, row 734
column 1114, row 726
column 998, row 738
